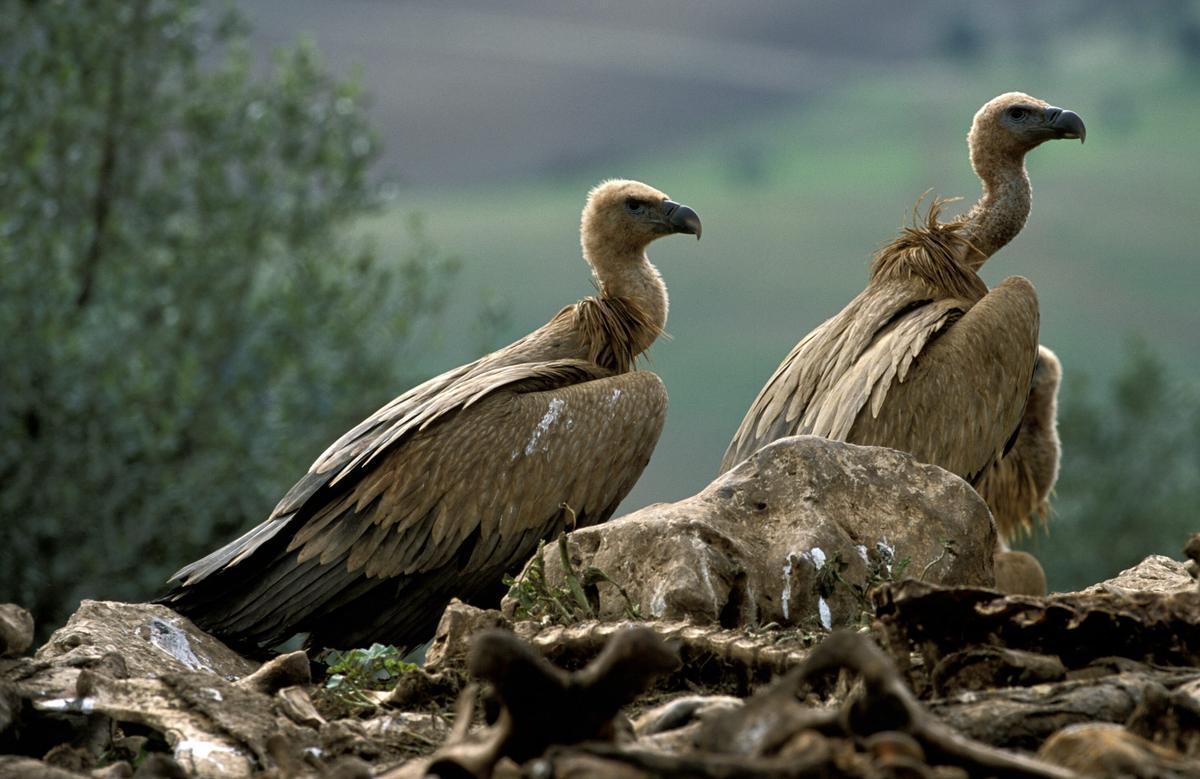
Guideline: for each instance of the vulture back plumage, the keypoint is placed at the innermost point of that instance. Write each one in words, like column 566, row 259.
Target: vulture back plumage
column 452, row 484
column 927, row 359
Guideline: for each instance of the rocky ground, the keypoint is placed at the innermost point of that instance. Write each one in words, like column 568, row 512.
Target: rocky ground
column 822, row 610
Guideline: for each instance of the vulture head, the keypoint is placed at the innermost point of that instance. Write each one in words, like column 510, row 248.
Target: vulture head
column 623, row 216
column 1014, row 123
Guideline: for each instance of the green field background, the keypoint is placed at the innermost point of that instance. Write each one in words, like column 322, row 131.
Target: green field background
column 794, row 206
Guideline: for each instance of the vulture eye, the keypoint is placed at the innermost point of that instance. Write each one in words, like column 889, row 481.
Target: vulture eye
column 1017, row 112
column 634, row 205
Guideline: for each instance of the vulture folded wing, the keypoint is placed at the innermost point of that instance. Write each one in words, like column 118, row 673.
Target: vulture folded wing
column 776, row 411
column 885, row 361
column 418, row 407
column 963, row 397
column 853, row 357
column 445, row 506
column 499, row 470
column 366, row 433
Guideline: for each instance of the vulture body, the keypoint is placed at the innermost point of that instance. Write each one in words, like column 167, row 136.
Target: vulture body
column 927, row 359
column 1017, row 487
column 449, row 486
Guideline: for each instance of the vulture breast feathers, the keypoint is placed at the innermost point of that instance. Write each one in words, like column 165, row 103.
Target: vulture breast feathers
column 452, row 484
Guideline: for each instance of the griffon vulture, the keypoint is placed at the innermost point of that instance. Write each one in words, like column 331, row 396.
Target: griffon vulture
column 926, row 359
column 1017, row 487
column 446, row 488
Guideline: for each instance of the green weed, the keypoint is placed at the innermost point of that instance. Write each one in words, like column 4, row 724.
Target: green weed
column 355, row 673
column 573, row 601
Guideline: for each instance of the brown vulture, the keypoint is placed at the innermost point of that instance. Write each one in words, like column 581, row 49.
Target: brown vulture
column 926, row 359
column 451, row 485
column 1017, row 487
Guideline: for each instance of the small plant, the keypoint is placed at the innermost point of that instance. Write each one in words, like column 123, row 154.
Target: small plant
column 537, row 599
column 947, row 550
column 352, row 674
column 807, row 635
column 882, row 568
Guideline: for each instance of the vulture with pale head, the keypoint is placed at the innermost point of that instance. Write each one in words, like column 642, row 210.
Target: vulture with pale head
column 926, row 359
column 451, row 485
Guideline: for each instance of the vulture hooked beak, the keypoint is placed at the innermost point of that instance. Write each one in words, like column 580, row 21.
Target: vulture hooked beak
column 1065, row 124
column 682, row 219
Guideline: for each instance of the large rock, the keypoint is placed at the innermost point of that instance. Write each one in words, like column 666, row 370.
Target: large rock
column 117, row 669
column 1156, row 573
column 16, row 629
column 794, row 534
column 143, row 663
column 146, row 639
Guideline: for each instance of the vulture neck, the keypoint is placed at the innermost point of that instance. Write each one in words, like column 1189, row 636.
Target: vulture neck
column 628, row 279
column 1003, row 208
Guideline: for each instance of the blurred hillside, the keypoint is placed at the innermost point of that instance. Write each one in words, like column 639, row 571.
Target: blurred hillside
column 473, row 92
column 803, row 138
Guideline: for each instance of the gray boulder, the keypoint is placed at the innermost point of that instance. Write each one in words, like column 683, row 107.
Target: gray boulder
column 1156, row 573
column 796, row 534
column 150, row 639
column 16, row 629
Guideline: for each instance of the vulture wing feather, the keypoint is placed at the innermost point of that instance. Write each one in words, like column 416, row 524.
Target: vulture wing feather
column 852, row 358
column 460, row 485
column 953, row 382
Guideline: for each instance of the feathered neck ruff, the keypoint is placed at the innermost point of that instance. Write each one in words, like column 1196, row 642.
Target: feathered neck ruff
column 614, row 331
column 933, row 253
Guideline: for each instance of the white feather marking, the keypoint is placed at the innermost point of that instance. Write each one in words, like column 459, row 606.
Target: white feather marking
column 551, row 416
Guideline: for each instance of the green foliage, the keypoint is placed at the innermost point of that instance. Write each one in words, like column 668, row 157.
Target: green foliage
column 538, row 599
column 356, row 677
column 375, row 668
column 1129, row 484
column 187, row 324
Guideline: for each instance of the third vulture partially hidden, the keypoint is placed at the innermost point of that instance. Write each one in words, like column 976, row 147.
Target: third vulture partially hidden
column 452, row 484
column 1017, row 487
column 926, row 359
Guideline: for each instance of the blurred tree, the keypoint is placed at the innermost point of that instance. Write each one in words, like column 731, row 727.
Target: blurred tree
column 187, row 325
column 1129, row 485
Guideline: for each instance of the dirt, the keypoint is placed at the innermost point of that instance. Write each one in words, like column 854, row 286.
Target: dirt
column 939, row 681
